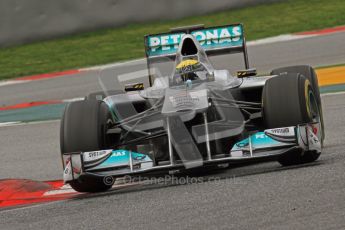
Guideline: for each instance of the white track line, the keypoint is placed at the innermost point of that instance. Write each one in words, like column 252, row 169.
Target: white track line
column 332, row 94
column 74, row 99
column 111, row 65
column 133, row 76
column 12, row 82
column 280, row 38
column 12, row 123
column 19, row 123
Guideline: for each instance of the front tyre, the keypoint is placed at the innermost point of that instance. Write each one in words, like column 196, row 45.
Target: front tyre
column 290, row 100
column 83, row 128
column 309, row 73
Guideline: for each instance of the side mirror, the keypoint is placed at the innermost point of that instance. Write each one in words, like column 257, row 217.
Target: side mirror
column 246, row 73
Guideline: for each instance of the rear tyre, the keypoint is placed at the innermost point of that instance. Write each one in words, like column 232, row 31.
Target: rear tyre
column 83, row 128
column 308, row 72
column 290, row 100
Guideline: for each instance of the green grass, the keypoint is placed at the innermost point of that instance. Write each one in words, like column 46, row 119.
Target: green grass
column 111, row 45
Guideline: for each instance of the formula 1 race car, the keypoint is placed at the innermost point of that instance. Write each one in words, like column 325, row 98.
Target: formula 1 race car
column 195, row 116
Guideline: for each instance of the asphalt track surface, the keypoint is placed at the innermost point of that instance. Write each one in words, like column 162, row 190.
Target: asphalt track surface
column 261, row 196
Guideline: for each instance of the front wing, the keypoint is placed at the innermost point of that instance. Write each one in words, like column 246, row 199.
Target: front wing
column 267, row 145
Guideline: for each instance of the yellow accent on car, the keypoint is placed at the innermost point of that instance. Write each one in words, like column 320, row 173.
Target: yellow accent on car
column 307, row 97
column 186, row 63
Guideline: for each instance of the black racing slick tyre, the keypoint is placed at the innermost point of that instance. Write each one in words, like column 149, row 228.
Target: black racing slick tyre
column 83, row 128
column 308, row 72
column 102, row 94
column 290, row 100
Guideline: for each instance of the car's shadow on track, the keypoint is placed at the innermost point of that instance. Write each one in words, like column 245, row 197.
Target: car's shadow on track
column 233, row 174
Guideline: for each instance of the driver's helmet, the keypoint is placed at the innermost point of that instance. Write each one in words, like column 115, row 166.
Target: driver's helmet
column 186, row 70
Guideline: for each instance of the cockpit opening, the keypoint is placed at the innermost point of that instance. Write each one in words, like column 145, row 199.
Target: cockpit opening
column 189, row 47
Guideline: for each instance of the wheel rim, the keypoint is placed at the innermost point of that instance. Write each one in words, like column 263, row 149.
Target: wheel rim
column 314, row 111
column 313, row 107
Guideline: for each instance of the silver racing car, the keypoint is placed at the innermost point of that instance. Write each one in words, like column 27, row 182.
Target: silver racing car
column 191, row 115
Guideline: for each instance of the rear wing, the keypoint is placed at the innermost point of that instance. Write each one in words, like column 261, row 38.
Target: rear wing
column 214, row 40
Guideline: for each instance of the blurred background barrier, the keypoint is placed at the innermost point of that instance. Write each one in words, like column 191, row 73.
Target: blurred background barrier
column 23, row 21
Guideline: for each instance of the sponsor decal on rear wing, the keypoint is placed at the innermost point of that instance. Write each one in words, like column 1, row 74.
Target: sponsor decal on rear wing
column 226, row 38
